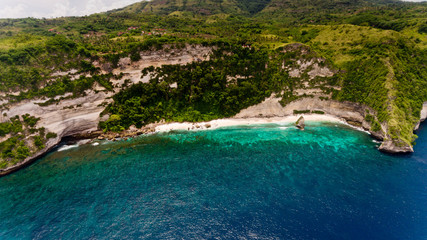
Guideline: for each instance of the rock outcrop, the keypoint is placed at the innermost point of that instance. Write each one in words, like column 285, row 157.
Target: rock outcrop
column 66, row 118
column 51, row 143
column 423, row 116
column 391, row 147
column 271, row 107
column 300, row 123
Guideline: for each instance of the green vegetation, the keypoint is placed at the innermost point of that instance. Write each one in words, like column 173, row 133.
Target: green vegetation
column 25, row 139
column 375, row 125
column 296, row 112
column 317, row 112
column 38, row 142
column 51, row 135
column 14, row 126
column 423, row 28
column 301, row 111
column 233, row 79
column 30, row 120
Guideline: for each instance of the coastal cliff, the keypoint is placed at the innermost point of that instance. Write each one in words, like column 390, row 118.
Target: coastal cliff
column 312, row 80
column 423, row 116
column 81, row 115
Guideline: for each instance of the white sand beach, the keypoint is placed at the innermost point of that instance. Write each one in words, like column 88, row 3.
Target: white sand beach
column 244, row 121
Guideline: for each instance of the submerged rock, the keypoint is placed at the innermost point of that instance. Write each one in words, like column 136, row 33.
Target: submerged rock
column 300, row 123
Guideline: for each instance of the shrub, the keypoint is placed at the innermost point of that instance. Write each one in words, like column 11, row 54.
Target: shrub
column 301, row 111
column 38, row 141
column 51, row 135
column 317, row 112
column 30, row 120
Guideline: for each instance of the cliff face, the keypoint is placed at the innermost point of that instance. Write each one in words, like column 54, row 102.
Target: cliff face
column 82, row 115
column 168, row 55
column 312, row 93
column 271, row 107
column 423, row 116
column 352, row 113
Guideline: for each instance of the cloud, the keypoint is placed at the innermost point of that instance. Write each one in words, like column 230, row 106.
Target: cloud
column 57, row 8
column 61, row 9
column 12, row 11
column 94, row 6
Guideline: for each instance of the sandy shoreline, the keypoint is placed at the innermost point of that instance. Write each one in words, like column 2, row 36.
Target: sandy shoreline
column 227, row 122
column 189, row 126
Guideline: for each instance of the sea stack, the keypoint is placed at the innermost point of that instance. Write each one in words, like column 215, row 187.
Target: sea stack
column 300, row 123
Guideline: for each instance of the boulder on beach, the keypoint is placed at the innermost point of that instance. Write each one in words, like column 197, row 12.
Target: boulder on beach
column 300, row 123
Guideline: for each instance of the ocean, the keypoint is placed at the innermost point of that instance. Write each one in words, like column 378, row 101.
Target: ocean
column 269, row 181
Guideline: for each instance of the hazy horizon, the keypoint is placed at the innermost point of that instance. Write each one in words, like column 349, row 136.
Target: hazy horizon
column 58, row 8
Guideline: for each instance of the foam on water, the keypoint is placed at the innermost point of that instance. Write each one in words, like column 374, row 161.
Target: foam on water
column 66, row 147
column 70, row 146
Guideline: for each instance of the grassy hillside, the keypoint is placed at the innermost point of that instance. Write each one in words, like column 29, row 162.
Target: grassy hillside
column 202, row 7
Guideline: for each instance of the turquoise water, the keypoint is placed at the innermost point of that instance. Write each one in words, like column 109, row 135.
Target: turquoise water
column 258, row 182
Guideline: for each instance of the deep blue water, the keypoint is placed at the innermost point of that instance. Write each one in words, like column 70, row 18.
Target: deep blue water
column 258, row 182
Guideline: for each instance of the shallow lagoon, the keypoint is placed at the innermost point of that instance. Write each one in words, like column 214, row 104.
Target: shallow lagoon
column 262, row 182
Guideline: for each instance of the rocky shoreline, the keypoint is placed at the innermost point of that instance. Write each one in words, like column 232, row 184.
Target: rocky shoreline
column 346, row 112
column 98, row 134
column 50, row 145
column 156, row 127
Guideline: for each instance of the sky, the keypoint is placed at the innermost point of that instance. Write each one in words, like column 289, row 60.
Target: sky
column 61, row 8
column 57, row 8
